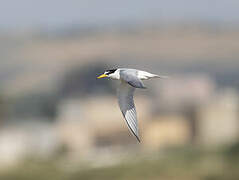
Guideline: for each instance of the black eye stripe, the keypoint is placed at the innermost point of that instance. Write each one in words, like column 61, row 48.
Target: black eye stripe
column 110, row 71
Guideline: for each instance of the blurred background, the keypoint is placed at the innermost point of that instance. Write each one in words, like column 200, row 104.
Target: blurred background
column 54, row 113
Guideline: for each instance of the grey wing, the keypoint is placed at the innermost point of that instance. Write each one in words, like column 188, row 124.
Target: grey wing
column 130, row 76
column 127, row 107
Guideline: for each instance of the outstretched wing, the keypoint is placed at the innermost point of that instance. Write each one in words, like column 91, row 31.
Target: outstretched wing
column 126, row 103
column 130, row 76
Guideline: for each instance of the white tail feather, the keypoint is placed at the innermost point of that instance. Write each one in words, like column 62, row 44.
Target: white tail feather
column 143, row 75
column 158, row 76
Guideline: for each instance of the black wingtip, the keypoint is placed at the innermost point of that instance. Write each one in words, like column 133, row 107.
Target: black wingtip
column 138, row 139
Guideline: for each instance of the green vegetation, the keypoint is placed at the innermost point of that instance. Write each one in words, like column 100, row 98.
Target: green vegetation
column 186, row 164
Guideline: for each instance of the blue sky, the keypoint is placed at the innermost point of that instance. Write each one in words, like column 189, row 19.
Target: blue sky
column 53, row 13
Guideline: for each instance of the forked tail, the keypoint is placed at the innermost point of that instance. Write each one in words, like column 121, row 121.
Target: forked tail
column 159, row 76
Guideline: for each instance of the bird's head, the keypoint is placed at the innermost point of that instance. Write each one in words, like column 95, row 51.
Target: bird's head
column 112, row 73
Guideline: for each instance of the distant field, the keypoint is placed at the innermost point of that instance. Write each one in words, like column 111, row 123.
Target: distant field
column 180, row 164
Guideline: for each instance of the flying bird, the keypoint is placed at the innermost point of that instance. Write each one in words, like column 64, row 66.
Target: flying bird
column 130, row 79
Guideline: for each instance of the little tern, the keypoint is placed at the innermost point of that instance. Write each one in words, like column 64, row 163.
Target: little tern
column 130, row 79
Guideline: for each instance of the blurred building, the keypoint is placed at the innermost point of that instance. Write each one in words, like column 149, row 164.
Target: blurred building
column 32, row 139
column 165, row 131
column 218, row 120
column 88, row 124
column 180, row 91
column 188, row 111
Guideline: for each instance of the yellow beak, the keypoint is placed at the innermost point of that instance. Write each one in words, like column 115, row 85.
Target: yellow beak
column 102, row 76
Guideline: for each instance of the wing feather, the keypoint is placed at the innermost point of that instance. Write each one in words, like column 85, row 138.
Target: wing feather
column 127, row 107
column 130, row 76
